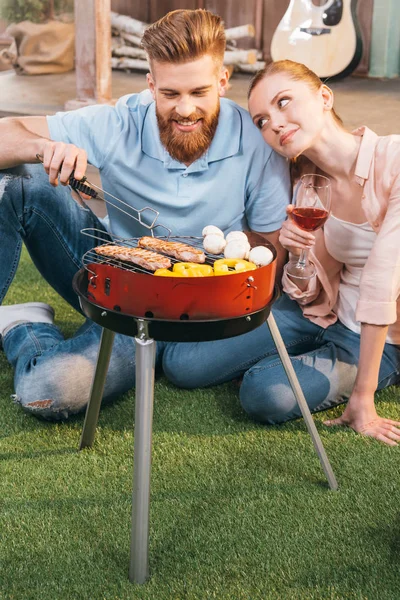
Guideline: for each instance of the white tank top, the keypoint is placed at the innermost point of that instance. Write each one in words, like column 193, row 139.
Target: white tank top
column 351, row 243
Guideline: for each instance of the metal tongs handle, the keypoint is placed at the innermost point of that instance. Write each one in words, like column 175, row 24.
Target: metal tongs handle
column 77, row 184
column 81, row 187
column 86, row 187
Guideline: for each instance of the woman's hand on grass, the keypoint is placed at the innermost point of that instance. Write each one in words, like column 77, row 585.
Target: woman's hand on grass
column 366, row 421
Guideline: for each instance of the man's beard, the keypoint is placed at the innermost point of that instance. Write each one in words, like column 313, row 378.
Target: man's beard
column 186, row 147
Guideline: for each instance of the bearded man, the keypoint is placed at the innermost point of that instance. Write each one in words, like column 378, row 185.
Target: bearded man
column 176, row 148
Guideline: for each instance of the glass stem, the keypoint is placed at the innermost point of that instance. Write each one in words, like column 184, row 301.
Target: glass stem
column 303, row 259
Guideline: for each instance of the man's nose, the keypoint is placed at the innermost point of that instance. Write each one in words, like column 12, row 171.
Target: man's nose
column 185, row 107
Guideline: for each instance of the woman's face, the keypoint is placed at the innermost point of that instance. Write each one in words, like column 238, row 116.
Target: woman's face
column 289, row 113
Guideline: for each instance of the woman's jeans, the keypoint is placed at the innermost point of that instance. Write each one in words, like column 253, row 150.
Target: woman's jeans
column 53, row 376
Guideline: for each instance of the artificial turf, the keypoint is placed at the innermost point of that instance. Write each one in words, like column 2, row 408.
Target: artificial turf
column 238, row 511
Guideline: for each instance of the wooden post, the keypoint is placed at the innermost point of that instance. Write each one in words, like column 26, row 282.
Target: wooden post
column 93, row 53
column 258, row 23
column 50, row 10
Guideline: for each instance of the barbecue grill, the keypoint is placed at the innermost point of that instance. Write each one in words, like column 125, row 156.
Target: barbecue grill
column 132, row 301
column 176, row 308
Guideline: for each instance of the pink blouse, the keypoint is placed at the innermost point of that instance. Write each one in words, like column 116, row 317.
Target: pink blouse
column 378, row 172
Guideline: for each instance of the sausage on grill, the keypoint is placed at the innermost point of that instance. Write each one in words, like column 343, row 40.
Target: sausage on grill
column 182, row 252
column 138, row 256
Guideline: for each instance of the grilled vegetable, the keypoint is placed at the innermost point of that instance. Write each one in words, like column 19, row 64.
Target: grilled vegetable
column 213, row 243
column 237, row 248
column 166, row 273
column 261, row 256
column 236, row 235
column 192, row 270
column 212, row 230
column 186, row 270
column 227, row 266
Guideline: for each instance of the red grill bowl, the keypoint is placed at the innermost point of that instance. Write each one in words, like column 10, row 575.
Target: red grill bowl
column 146, row 295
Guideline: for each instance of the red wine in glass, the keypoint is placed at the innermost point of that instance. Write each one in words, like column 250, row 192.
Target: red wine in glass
column 309, row 219
column 312, row 204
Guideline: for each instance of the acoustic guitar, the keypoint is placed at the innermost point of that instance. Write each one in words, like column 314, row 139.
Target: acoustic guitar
column 322, row 34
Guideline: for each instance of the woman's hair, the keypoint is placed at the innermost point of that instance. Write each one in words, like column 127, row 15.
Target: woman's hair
column 185, row 35
column 297, row 72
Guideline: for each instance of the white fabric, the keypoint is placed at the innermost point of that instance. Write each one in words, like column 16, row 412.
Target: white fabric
column 350, row 244
column 31, row 312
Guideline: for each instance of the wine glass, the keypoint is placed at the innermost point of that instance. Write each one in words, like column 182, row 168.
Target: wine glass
column 312, row 205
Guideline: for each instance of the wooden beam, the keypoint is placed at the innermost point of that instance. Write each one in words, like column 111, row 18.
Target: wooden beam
column 258, row 23
column 92, row 53
column 364, row 16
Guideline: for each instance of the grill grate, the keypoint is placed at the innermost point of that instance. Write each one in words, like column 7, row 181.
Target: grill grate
column 101, row 237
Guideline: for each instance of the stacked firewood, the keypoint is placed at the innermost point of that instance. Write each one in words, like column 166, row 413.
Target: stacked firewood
column 127, row 53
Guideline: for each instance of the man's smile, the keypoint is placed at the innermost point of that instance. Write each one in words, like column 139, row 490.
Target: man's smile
column 187, row 126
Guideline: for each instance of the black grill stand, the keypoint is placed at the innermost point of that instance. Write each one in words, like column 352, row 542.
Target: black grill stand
column 145, row 371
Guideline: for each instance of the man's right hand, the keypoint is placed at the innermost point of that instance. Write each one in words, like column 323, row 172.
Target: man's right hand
column 23, row 138
column 60, row 161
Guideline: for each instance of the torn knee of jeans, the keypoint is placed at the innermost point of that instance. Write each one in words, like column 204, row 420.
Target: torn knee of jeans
column 35, row 405
column 46, row 409
column 5, row 180
column 40, row 404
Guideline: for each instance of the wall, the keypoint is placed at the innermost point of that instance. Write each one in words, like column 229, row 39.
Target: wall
column 233, row 12
column 385, row 46
column 264, row 14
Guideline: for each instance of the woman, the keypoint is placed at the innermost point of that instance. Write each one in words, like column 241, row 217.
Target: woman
column 342, row 326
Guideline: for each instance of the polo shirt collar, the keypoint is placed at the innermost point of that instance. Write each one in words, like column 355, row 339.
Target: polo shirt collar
column 226, row 141
column 228, row 136
column 366, row 152
column 151, row 144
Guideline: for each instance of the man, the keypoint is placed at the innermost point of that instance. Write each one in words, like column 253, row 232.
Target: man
column 183, row 152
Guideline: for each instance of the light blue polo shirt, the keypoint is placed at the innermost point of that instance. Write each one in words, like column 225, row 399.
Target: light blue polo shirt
column 239, row 183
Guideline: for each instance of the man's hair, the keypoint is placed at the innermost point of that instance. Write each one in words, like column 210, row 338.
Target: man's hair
column 185, row 35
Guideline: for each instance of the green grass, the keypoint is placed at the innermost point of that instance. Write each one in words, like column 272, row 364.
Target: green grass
column 238, row 511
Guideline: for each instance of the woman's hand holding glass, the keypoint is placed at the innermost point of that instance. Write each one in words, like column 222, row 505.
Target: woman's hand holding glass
column 310, row 209
column 294, row 239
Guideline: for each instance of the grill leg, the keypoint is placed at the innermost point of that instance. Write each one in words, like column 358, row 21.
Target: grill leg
column 96, row 393
column 305, row 411
column 145, row 369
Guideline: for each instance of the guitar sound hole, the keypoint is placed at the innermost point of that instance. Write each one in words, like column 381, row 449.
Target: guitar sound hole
column 333, row 14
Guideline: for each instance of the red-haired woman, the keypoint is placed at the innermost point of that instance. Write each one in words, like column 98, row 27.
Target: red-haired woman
column 342, row 325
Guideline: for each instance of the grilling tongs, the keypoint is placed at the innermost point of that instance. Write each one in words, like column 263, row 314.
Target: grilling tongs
column 87, row 187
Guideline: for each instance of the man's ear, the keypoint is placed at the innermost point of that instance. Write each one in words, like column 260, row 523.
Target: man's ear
column 223, row 82
column 151, row 84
